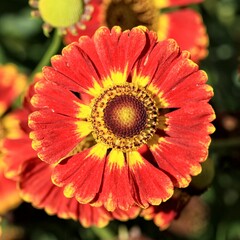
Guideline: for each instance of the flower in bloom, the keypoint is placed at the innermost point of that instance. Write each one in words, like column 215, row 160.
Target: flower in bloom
column 12, row 83
column 8, row 192
column 33, row 177
column 63, row 15
column 144, row 105
column 183, row 25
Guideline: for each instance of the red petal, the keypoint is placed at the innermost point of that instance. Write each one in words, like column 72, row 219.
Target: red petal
column 117, row 50
column 9, row 194
column 115, row 190
column 81, row 175
column 192, row 88
column 36, row 187
column 176, row 159
column 158, row 58
column 173, row 73
column 149, row 184
column 16, row 152
column 74, row 69
column 187, row 28
column 186, row 143
column 11, row 85
column 97, row 216
column 58, row 99
column 123, row 215
column 50, row 128
column 191, row 120
column 56, row 76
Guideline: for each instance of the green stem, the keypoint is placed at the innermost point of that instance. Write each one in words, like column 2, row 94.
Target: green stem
column 53, row 48
column 103, row 233
column 218, row 144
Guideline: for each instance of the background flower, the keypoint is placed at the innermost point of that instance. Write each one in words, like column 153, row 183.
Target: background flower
column 12, row 83
column 63, row 15
column 183, row 25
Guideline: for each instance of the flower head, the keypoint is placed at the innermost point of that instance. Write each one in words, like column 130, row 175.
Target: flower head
column 9, row 194
column 144, row 105
column 183, row 25
column 10, row 198
column 64, row 15
column 12, row 83
column 33, row 177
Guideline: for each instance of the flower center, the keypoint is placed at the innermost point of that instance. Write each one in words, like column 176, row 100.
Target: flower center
column 124, row 117
column 130, row 13
column 61, row 13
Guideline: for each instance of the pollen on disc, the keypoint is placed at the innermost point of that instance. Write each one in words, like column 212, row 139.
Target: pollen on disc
column 125, row 116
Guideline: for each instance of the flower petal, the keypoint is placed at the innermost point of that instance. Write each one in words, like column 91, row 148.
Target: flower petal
column 166, row 79
column 173, row 3
column 16, row 152
column 115, row 192
column 149, row 184
column 193, row 88
column 186, row 144
column 125, row 215
column 81, row 175
column 9, row 193
column 37, row 188
column 50, row 95
column 74, row 69
column 93, row 216
column 187, row 28
column 11, row 85
column 155, row 61
column 118, row 51
column 49, row 127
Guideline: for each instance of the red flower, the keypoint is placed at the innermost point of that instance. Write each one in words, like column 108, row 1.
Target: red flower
column 141, row 104
column 33, row 177
column 183, row 25
column 8, row 193
column 12, row 84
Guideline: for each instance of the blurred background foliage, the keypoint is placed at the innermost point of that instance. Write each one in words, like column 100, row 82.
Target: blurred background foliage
column 214, row 215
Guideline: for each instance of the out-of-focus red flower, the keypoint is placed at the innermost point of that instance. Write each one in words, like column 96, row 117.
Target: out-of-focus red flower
column 12, row 84
column 184, row 25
